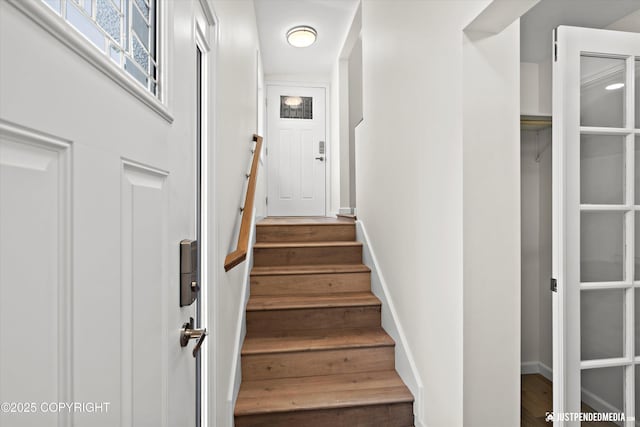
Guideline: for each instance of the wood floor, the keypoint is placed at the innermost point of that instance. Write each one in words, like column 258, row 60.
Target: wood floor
column 315, row 354
column 537, row 399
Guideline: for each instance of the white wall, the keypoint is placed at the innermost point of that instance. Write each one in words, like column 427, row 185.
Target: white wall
column 409, row 178
column 530, row 223
column 535, row 88
column 236, row 111
column 536, row 251
column 346, row 83
column 491, row 227
column 337, row 93
column 355, row 113
column 544, row 246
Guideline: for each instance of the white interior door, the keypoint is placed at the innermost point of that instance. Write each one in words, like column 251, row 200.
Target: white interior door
column 596, row 203
column 297, row 151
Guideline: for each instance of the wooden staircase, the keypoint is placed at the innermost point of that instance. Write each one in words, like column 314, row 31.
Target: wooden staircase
column 315, row 353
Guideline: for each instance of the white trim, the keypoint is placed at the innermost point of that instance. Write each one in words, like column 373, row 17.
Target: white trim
column 212, row 149
column 201, row 42
column 345, row 211
column 536, row 367
column 405, row 362
column 529, row 368
column 51, row 22
column 605, row 363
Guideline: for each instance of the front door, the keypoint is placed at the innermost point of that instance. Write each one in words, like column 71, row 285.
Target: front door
column 596, row 211
column 96, row 194
column 296, row 151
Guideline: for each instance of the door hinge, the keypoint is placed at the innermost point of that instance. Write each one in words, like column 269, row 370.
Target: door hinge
column 555, row 45
column 266, row 200
column 554, row 285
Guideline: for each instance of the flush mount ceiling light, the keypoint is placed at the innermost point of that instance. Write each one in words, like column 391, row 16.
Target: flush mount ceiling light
column 302, row 36
column 293, row 101
column 615, row 86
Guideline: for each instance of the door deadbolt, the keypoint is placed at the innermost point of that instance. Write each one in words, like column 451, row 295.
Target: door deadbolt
column 188, row 333
column 189, row 286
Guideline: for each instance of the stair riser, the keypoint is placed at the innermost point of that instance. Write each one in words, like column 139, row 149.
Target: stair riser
column 387, row 415
column 310, row 284
column 310, row 363
column 307, row 255
column 306, row 233
column 276, row 321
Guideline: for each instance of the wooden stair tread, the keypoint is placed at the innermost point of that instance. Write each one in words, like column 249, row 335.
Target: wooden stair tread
column 309, row 269
column 289, row 302
column 293, row 221
column 320, row 244
column 321, row 392
column 298, row 341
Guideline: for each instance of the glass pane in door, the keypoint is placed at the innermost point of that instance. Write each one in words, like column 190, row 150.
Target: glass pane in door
column 601, row 324
column 602, row 94
column 601, row 246
column 637, row 322
column 602, row 169
column 637, row 95
column 637, row 171
column 602, row 390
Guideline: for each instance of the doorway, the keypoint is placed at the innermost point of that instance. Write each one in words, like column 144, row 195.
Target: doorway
column 296, row 151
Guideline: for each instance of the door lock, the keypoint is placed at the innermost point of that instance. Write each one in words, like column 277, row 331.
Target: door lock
column 189, row 286
column 188, row 333
column 321, row 158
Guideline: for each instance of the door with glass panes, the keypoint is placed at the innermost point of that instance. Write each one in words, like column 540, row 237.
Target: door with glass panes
column 596, row 203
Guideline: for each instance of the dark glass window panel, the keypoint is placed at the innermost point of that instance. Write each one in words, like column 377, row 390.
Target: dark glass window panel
column 296, row 107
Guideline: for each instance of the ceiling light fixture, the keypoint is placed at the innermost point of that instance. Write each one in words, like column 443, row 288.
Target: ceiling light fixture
column 302, row 36
column 293, row 101
column 615, row 86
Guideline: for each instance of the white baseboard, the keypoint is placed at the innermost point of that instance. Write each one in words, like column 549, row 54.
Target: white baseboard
column 405, row 363
column 536, row 367
column 345, row 211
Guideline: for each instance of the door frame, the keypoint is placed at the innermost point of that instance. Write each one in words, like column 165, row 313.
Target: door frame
column 327, row 132
column 568, row 46
column 206, row 40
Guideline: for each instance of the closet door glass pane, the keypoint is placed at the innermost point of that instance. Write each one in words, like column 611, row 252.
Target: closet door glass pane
column 602, row 169
column 602, row 97
column 601, row 324
column 604, row 385
column 637, row 101
column 601, row 246
column 637, row 321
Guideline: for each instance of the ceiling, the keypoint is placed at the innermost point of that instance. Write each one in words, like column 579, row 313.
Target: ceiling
column 330, row 18
column 536, row 26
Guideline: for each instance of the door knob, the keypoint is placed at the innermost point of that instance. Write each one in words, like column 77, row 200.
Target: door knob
column 321, row 158
column 188, row 332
